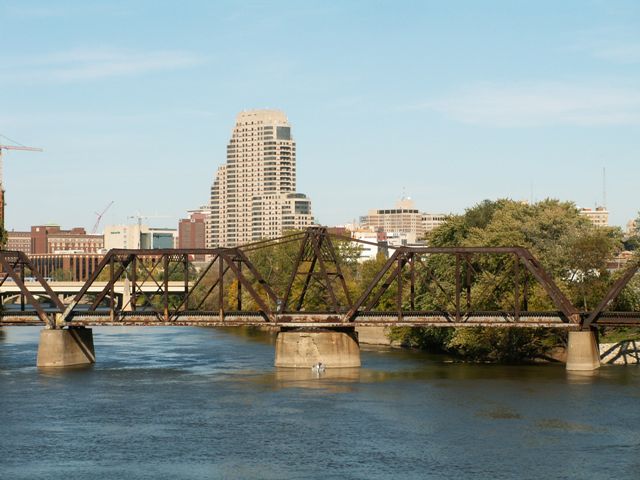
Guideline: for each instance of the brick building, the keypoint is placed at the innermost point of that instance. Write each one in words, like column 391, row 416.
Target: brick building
column 76, row 267
column 192, row 231
column 20, row 241
column 51, row 239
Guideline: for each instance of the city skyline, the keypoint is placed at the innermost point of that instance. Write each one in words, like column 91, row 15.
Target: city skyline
column 446, row 96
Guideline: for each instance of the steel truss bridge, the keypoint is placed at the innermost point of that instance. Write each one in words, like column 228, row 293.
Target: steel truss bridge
column 416, row 286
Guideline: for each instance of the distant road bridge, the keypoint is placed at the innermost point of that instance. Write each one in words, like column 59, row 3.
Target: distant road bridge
column 72, row 288
column 416, row 286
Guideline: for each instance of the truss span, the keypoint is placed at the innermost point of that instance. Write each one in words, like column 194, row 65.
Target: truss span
column 415, row 286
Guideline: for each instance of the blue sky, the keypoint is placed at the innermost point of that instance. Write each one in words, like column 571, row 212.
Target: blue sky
column 450, row 102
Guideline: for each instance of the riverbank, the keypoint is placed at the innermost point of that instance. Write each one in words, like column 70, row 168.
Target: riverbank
column 622, row 352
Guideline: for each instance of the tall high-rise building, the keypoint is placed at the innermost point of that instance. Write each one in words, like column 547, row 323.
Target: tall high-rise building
column 253, row 196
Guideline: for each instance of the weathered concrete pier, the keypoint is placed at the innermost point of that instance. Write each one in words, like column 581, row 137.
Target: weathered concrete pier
column 582, row 351
column 65, row 347
column 304, row 348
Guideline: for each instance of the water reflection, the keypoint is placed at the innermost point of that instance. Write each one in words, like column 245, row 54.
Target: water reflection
column 577, row 377
column 69, row 371
column 558, row 424
column 333, row 379
column 264, row 335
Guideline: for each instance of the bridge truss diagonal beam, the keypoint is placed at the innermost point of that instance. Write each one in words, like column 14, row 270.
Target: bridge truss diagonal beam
column 612, row 294
column 15, row 271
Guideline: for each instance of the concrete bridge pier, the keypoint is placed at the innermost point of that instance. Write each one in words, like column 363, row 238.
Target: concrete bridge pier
column 583, row 353
column 306, row 347
column 66, row 347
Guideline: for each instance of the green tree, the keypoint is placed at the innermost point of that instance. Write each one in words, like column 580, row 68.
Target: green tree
column 569, row 247
column 3, row 235
column 61, row 275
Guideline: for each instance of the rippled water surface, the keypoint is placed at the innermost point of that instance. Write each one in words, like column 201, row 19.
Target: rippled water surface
column 207, row 403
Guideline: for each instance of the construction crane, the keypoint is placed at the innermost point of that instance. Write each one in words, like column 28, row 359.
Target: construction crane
column 139, row 216
column 100, row 215
column 18, row 146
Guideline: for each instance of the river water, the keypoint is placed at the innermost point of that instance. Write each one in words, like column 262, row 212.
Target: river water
column 196, row 403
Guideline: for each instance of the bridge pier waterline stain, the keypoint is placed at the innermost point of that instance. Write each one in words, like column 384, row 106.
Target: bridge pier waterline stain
column 294, row 348
column 66, row 347
column 306, row 347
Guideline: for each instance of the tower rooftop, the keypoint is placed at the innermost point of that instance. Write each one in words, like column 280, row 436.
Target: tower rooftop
column 277, row 117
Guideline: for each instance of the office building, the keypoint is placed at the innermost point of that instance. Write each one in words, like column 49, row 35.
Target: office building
column 139, row 236
column 402, row 220
column 599, row 216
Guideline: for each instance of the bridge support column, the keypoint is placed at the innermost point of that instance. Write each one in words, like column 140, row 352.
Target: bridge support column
column 304, row 348
column 66, row 347
column 582, row 351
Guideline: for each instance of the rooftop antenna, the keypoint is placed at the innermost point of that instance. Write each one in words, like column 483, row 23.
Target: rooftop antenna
column 531, row 193
column 604, row 187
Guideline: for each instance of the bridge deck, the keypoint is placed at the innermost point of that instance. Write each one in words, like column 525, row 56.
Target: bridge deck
column 233, row 319
column 549, row 319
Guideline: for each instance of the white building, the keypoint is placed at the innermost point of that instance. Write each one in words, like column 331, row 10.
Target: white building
column 631, row 228
column 403, row 239
column 367, row 250
column 599, row 216
column 123, row 236
column 254, row 193
column 139, row 236
column 403, row 219
column 431, row 221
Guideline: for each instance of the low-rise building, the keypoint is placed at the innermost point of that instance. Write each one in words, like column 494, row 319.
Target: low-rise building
column 20, row 241
column 403, row 239
column 138, row 236
column 159, row 238
column 376, row 243
column 598, row 216
column 192, row 231
column 124, row 236
column 431, row 221
column 403, row 219
column 620, row 261
column 43, row 239
column 74, row 267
